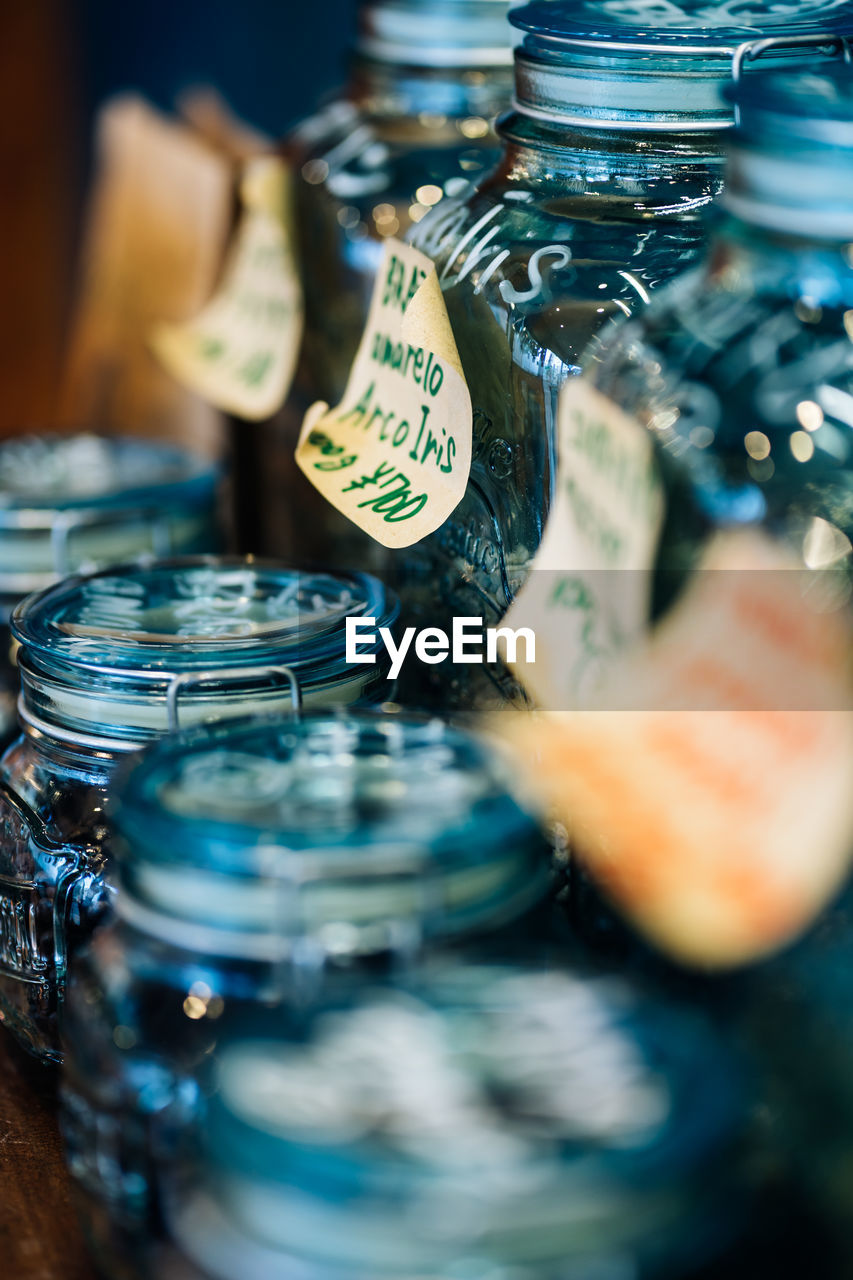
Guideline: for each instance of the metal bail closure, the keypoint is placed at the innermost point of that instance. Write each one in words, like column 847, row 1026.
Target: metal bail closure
column 751, row 50
column 65, row 523
column 189, row 679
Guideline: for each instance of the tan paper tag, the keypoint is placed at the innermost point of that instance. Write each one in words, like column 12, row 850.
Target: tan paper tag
column 240, row 353
column 157, row 224
column 587, row 597
column 720, row 816
column 395, row 454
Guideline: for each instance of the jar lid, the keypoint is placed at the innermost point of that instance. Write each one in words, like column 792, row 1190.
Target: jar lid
column 100, row 653
column 812, row 110
column 83, row 501
column 791, row 159
column 511, row 1118
column 632, row 64
column 436, row 33
column 360, row 832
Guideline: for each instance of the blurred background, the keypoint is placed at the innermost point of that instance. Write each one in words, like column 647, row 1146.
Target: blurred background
column 60, row 60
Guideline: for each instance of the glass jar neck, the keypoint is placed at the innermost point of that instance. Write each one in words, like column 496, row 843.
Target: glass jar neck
column 387, row 89
column 70, row 759
column 436, row 33
column 673, row 169
column 655, row 94
column 115, row 713
column 298, row 909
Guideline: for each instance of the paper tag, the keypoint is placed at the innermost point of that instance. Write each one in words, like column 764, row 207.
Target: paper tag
column 240, row 353
column 395, row 454
column 157, row 224
column 587, row 597
column 722, row 829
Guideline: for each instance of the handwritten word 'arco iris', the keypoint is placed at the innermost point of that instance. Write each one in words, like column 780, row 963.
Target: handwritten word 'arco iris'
column 425, row 445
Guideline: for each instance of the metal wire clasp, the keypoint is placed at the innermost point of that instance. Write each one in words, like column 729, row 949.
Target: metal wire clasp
column 751, row 50
column 179, row 684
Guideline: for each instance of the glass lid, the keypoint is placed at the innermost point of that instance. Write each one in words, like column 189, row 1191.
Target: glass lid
column 436, row 33
column 656, row 65
column 557, row 1058
column 362, row 829
column 688, row 26
column 476, row 1121
column 479, row 1121
column 790, row 165
column 812, row 109
column 43, row 474
column 192, row 613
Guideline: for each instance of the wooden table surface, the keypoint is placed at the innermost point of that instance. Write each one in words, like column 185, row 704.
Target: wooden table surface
column 39, row 1235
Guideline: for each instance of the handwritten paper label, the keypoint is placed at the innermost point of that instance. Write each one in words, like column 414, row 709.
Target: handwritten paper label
column 395, row 454
column 240, row 353
column 587, row 597
column 717, row 808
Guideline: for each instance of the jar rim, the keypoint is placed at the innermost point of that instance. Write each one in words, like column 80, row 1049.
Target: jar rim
column 206, row 606
column 315, row 820
column 451, row 34
column 789, row 165
column 812, row 109
column 611, row 64
column 136, row 474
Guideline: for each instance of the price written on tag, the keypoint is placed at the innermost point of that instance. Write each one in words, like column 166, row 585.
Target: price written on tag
column 588, row 593
column 716, row 809
column 240, row 353
column 395, row 454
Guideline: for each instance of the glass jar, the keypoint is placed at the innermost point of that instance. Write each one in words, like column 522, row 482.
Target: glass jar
column 82, row 502
column 266, row 865
column 108, row 663
column 613, row 152
column 413, row 124
column 743, row 371
column 484, row 1121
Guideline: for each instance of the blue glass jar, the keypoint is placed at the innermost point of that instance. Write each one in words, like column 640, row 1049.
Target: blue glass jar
column 613, row 152
column 414, row 123
column 481, row 1122
column 81, row 502
column 743, row 371
column 109, row 662
column 267, row 866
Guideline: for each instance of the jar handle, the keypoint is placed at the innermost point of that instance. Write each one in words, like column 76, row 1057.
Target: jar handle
column 178, row 684
column 67, row 522
column 751, row 50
